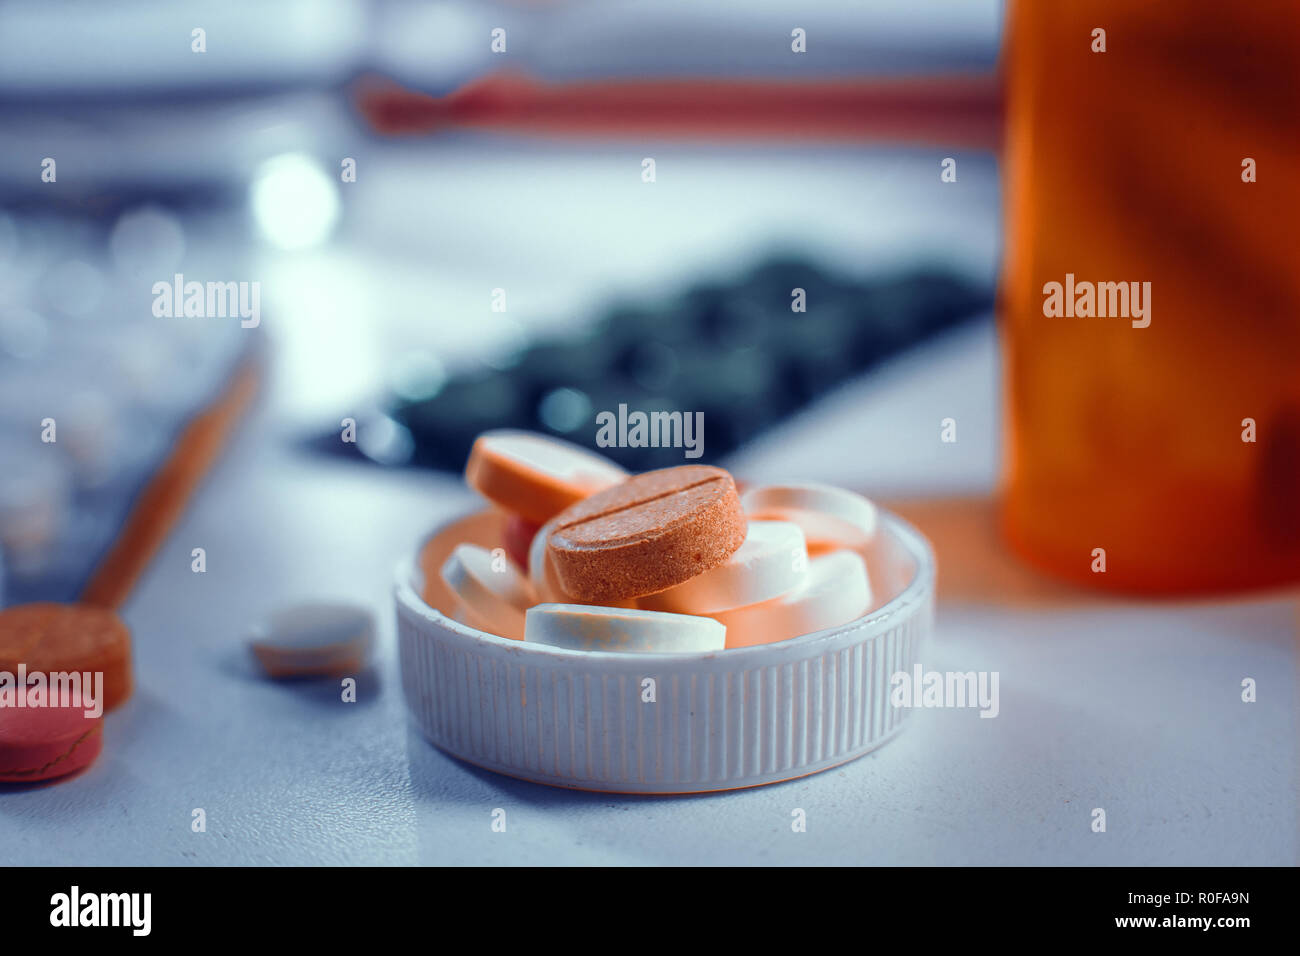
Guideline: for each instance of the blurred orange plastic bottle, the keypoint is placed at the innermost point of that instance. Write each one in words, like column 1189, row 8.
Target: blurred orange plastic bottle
column 1131, row 165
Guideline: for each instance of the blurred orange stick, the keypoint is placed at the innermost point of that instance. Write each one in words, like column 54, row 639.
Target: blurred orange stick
column 958, row 110
column 164, row 498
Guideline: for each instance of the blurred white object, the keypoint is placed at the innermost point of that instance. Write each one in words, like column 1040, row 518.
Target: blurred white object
column 35, row 500
column 74, row 287
column 147, row 241
column 142, row 45
column 295, row 204
column 24, row 334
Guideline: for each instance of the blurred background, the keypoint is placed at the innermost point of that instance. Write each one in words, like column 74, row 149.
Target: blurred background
column 517, row 177
column 460, row 216
column 433, row 284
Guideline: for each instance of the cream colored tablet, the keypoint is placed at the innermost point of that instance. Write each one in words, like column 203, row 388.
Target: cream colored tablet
column 535, row 476
column 314, row 640
column 540, row 571
column 835, row 591
column 772, row 561
column 585, row 627
column 493, row 593
column 827, row 515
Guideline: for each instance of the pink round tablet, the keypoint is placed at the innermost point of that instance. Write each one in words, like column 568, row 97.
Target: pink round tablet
column 518, row 538
column 42, row 743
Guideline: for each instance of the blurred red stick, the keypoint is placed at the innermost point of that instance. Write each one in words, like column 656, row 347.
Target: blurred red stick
column 960, row 110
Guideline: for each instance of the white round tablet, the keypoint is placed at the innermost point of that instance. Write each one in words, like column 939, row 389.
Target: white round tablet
column 540, row 572
column 772, row 560
column 835, row 591
column 827, row 515
column 313, row 639
column 586, row 627
column 492, row 591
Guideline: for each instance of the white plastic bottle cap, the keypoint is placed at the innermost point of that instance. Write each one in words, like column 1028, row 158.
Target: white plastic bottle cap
column 666, row 722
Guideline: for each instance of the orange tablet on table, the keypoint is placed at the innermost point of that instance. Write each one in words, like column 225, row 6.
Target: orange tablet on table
column 534, row 476
column 63, row 638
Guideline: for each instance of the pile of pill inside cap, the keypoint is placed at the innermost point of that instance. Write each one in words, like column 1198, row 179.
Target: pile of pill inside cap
column 677, row 559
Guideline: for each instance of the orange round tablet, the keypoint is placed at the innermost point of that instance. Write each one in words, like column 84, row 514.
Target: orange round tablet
column 652, row 532
column 534, row 476
column 65, row 638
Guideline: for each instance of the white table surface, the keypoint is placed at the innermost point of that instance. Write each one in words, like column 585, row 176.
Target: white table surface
column 1131, row 707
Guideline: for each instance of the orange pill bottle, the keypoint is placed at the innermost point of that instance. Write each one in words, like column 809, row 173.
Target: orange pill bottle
column 1154, row 448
